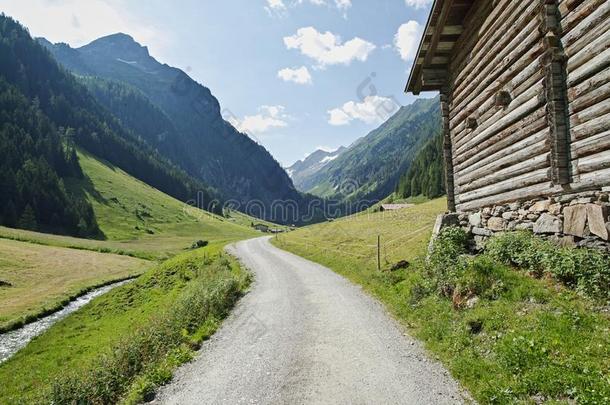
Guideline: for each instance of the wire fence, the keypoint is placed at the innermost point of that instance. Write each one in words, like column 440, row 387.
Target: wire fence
column 378, row 251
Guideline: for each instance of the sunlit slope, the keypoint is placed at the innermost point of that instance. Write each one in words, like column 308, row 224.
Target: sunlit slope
column 403, row 234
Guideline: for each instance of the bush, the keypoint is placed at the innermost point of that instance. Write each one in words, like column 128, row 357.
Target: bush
column 446, row 263
column 586, row 270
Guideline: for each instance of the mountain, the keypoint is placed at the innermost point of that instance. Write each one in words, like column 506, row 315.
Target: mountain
column 45, row 116
column 189, row 128
column 426, row 175
column 370, row 168
column 302, row 170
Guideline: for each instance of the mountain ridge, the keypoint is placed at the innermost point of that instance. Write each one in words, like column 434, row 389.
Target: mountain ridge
column 208, row 147
column 369, row 169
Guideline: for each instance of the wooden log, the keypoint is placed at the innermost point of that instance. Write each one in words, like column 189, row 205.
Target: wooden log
column 592, row 163
column 596, row 65
column 589, row 114
column 587, row 181
column 501, row 54
column 484, row 103
column 523, row 52
column 504, row 119
column 532, row 163
column 530, row 146
column 590, row 92
column 590, row 128
column 481, row 22
column 591, row 145
column 484, row 36
column 588, row 24
column 591, row 44
column 542, row 189
column 515, row 183
column 578, row 14
column 566, row 6
column 494, row 146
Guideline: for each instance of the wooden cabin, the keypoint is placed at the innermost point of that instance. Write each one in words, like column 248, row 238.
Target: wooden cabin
column 525, row 98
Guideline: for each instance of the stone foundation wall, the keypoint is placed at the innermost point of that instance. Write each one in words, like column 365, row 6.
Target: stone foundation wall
column 576, row 220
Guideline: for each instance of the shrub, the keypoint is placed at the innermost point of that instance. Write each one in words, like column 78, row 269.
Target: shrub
column 445, row 263
column 586, row 270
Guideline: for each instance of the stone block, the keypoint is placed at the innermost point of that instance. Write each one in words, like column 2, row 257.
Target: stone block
column 575, row 220
column 555, row 209
column 496, row 224
column 475, row 219
column 548, row 223
column 481, row 232
column 596, row 219
column 582, row 200
column 532, row 217
column 524, row 226
column 514, row 206
column 508, row 215
column 541, row 206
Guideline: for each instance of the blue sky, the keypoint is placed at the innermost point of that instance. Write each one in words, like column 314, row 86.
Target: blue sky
column 295, row 75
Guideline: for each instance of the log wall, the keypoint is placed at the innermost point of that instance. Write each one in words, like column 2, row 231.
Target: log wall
column 528, row 99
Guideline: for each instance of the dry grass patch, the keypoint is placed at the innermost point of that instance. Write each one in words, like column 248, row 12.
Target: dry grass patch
column 40, row 277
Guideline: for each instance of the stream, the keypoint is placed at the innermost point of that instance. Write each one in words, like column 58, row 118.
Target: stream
column 13, row 341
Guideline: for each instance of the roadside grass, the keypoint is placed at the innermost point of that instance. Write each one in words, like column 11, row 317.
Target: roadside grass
column 522, row 340
column 124, row 343
column 42, row 279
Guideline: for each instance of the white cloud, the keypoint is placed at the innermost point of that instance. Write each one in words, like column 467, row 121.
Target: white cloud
column 79, row 22
column 327, row 48
column 299, row 75
column 374, row 109
column 276, row 7
column 407, row 39
column 268, row 117
column 418, row 3
column 339, row 4
column 276, row 4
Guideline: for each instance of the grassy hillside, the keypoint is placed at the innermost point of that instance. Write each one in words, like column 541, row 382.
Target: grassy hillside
column 41, row 278
column 137, row 219
column 506, row 336
column 404, row 235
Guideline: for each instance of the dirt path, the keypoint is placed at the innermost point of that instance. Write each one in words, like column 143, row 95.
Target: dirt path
column 306, row 335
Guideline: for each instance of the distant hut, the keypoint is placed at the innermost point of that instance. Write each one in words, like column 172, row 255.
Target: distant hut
column 525, row 101
column 261, row 227
column 393, row 207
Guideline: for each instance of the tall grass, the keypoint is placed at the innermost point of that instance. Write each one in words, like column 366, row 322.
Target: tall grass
column 171, row 334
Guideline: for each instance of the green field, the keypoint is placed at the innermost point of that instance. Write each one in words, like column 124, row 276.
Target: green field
column 43, row 278
column 136, row 219
column 526, row 340
column 76, row 345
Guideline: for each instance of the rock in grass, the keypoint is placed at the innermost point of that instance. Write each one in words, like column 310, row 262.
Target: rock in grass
column 199, row 244
column 5, row 284
column 403, row 264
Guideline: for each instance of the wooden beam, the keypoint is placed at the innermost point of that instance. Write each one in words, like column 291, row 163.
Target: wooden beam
column 555, row 78
column 436, row 36
column 432, row 46
column 447, row 152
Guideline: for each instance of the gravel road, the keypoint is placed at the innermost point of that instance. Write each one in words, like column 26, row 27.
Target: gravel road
column 303, row 334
